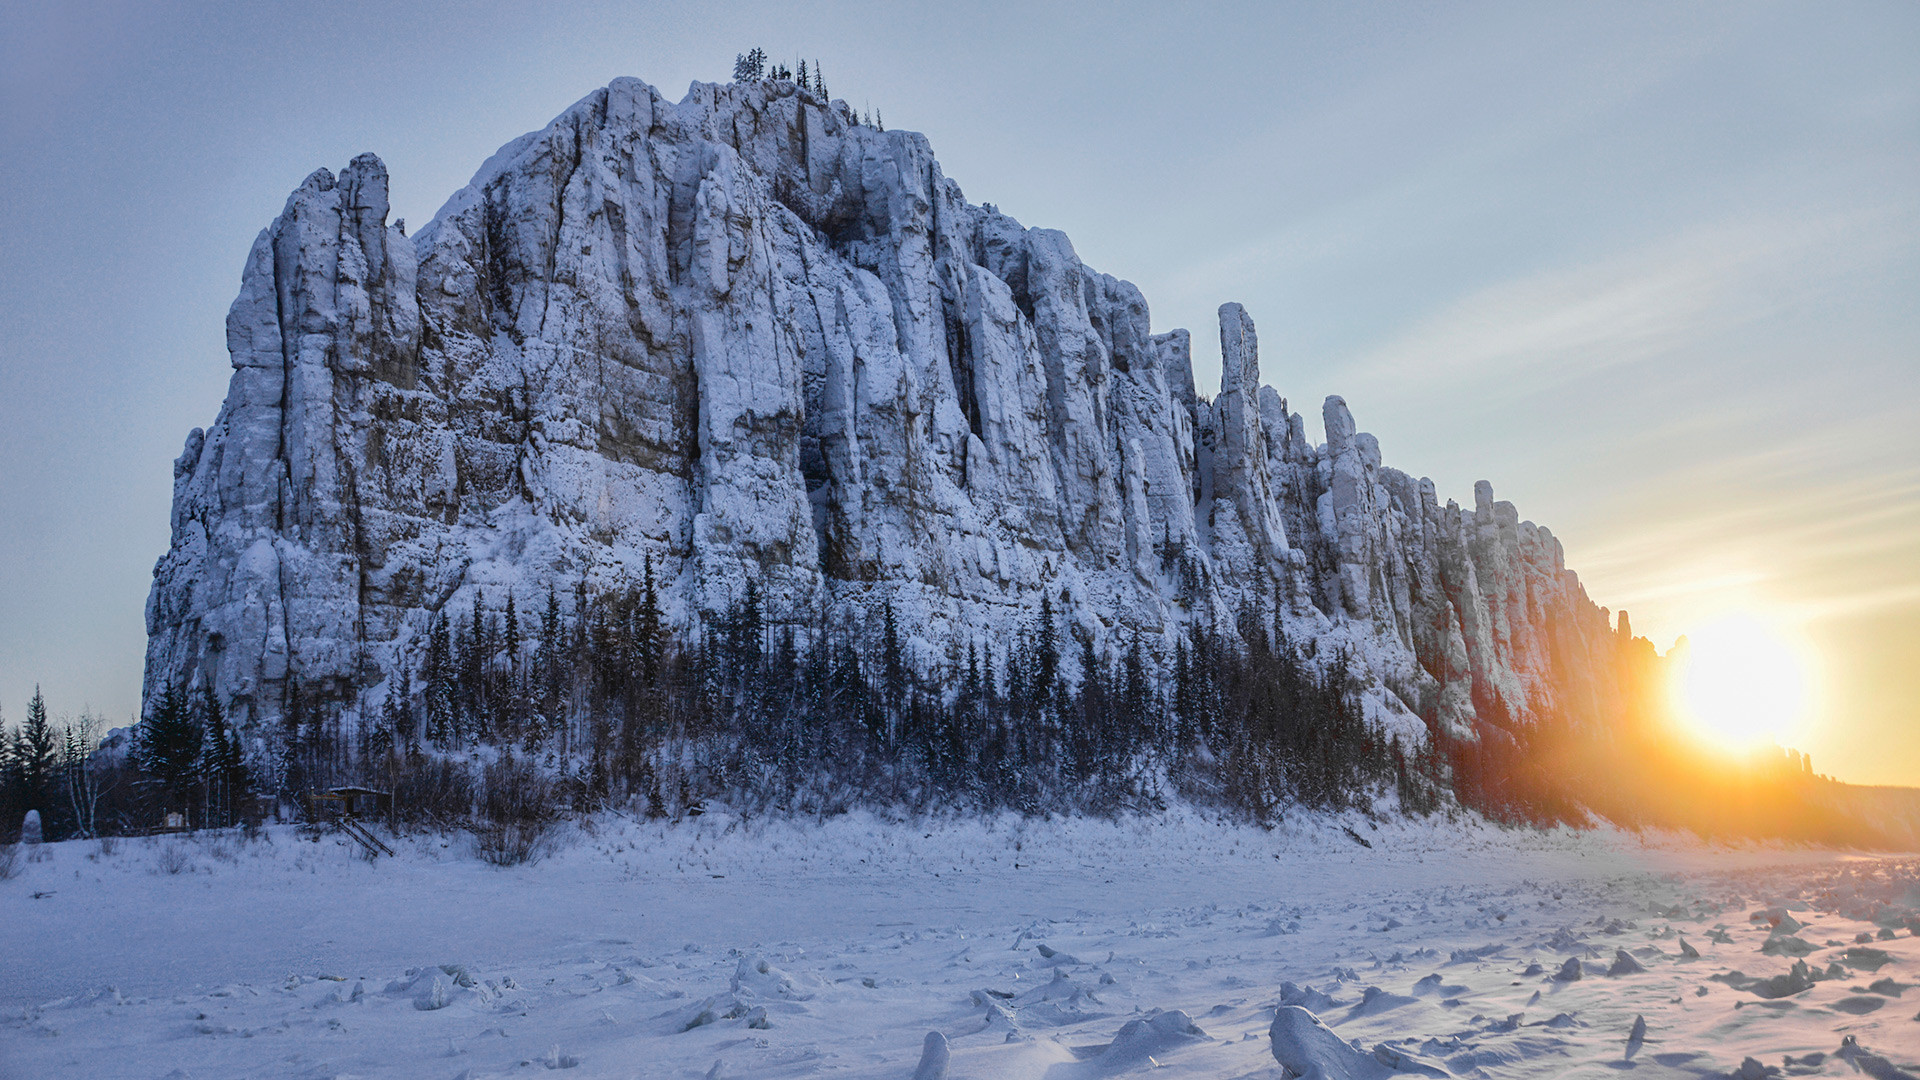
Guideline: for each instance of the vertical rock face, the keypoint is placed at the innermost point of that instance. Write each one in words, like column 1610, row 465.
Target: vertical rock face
column 746, row 340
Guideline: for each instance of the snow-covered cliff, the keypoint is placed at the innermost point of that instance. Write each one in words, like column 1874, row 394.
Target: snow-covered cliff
column 755, row 342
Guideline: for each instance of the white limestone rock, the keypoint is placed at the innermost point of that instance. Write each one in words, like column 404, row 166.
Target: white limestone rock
column 747, row 341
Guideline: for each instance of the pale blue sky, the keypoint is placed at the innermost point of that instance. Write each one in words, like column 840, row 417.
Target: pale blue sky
column 1652, row 269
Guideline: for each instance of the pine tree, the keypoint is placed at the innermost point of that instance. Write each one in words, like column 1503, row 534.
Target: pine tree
column 223, row 768
column 510, row 634
column 1046, row 657
column 395, row 728
column 750, row 66
column 893, row 669
column 745, row 631
column 1184, row 705
column 168, row 749
column 879, row 124
column 9, row 768
column 439, row 679
column 36, row 754
column 648, row 628
column 473, row 668
column 802, row 80
column 819, row 82
column 1135, row 693
column 548, row 664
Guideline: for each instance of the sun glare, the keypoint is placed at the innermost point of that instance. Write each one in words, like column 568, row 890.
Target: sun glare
column 1741, row 683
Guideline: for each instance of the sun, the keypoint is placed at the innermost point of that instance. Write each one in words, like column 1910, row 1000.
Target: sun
column 1741, row 683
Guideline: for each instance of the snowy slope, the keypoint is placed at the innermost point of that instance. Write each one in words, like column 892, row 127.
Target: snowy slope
column 1036, row 948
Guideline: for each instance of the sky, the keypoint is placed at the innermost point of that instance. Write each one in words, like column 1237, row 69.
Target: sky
column 1653, row 270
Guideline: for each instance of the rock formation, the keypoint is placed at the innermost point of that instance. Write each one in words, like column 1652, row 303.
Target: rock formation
column 749, row 340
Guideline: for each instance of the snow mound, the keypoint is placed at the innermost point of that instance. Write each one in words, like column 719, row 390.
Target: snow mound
column 755, row 977
column 1431, row 986
column 1140, row 1040
column 1308, row 1049
column 1374, row 1001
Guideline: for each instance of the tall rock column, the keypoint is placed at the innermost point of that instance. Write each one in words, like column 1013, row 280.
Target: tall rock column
column 1240, row 464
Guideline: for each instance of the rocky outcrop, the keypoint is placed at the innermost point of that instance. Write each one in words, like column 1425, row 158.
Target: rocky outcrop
column 748, row 340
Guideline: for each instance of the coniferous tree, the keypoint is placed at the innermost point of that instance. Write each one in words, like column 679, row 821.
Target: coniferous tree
column 385, row 734
column 10, row 786
column 819, row 82
column 223, row 767
column 207, row 763
column 1135, row 693
column 439, row 679
column 1046, row 657
column 893, row 667
column 510, row 633
column 473, row 669
column 167, row 752
column 36, row 755
column 750, row 66
column 648, row 629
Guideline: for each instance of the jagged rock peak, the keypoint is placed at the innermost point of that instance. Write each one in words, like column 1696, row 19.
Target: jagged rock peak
column 741, row 339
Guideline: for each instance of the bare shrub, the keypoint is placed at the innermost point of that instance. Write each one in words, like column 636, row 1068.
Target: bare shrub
column 9, row 861
column 434, row 792
column 172, row 859
column 517, row 813
column 220, row 847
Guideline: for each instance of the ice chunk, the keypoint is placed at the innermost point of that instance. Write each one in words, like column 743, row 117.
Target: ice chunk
column 1306, row 997
column 934, row 1056
column 1055, row 958
column 1871, row 1064
column 1307, row 1048
column 434, row 997
column 758, row 978
column 1798, row 980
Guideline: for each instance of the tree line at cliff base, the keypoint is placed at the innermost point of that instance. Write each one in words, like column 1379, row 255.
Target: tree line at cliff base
column 511, row 720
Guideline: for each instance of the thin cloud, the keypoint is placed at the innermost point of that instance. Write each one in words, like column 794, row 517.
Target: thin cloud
column 1649, row 303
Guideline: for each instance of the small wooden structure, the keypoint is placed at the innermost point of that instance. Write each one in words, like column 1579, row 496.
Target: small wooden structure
column 348, row 809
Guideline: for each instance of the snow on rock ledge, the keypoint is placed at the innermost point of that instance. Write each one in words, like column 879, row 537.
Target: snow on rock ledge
column 749, row 341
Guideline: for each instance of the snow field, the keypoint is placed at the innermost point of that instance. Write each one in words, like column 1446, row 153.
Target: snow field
column 1034, row 949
